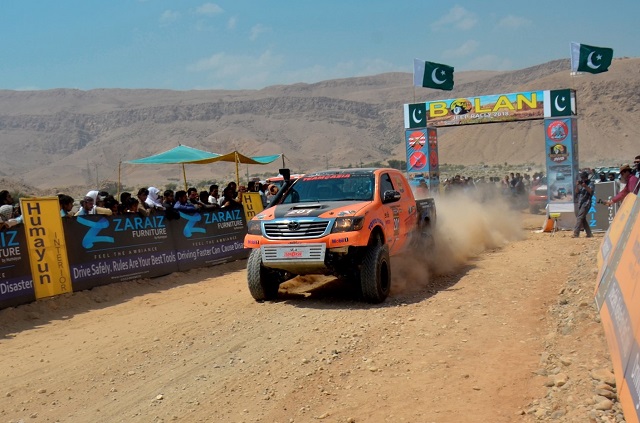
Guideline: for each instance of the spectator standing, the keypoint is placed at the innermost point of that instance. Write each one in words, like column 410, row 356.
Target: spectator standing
column 228, row 197
column 271, row 193
column 214, row 195
column 5, row 198
column 583, row 192
column 630, row 180
column 153, row 200
column 183, row 203
column 143, row 208
column 66, row 205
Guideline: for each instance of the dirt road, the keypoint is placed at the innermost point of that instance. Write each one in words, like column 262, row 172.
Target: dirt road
column 498, row 327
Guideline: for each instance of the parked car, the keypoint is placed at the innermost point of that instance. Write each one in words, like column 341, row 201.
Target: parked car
column 538, row 196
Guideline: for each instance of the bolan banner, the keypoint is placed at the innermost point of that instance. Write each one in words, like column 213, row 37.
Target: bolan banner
column 46, row 246
column 525, row 105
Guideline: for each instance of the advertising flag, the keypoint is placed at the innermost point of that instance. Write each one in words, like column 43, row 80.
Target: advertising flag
column 432, row 75
column 591, row 59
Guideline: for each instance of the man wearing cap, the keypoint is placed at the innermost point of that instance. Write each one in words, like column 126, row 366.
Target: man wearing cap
column 583, row 192
column 630, row 180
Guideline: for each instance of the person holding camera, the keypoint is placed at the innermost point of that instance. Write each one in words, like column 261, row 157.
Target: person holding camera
column 583, row 192
column 631, row 181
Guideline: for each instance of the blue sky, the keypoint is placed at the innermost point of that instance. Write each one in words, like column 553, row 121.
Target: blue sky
column 242, row 44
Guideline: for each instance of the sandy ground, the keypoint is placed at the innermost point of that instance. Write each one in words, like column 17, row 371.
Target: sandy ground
column 496, row 325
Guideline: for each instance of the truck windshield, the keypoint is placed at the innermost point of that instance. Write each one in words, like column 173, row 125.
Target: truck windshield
column 331, row 187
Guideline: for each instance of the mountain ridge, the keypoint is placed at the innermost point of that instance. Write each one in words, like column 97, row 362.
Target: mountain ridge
column 68, row 137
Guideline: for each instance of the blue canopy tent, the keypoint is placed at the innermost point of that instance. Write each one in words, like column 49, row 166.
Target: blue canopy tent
column 188, row 155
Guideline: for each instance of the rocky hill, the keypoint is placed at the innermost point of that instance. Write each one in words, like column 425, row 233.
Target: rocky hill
column 64, row 137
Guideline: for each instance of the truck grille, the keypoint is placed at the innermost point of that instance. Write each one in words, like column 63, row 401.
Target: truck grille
column 296, row 229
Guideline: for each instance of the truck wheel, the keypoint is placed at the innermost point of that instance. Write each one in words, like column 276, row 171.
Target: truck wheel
column 263, row 282
column 375, row 274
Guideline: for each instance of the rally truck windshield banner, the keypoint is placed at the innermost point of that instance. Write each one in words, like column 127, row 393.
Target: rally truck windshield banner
column 490, row 108
column 46, row 245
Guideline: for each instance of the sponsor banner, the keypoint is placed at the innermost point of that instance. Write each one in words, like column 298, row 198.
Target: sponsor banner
column 46, row 245
column 562, row 169
column 105, row 249
column 614, row 243
column 525, row 105
column 210, row 237
column 252, row 204
column 617, row 297
column 473, row 110
column 433, row 177
column 417, row 150
column 618, row 329
column 16, row 283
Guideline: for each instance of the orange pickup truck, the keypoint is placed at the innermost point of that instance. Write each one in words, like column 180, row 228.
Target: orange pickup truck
column 337, row 222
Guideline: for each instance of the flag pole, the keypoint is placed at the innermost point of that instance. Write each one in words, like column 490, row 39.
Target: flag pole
column 119, row 176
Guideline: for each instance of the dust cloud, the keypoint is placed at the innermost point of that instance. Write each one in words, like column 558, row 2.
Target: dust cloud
column 465, row 228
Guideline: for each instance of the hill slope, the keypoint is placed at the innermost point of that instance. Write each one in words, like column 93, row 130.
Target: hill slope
column 64, row 137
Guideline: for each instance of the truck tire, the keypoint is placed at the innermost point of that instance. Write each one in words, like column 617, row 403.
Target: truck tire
column 375, row 274
column 263, row 282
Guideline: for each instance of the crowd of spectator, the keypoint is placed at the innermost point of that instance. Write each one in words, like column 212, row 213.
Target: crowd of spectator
column 514, row 186
column 145, row 202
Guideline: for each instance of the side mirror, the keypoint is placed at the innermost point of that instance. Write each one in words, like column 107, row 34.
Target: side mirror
column 390, row 196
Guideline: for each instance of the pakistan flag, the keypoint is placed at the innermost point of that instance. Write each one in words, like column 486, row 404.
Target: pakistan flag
column 432, row 75
column 590, row 59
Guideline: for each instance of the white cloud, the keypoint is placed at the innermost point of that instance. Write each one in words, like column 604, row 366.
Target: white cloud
column 458, row 18
column 232, row 22
column 255, row 72
column 209, row 9
column 239, row 71
column 465, row 49
column 169, row 16
column 514, row 22
column 257, row 30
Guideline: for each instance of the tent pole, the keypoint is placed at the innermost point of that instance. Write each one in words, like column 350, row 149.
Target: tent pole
column 237, row 171
column 184, row 175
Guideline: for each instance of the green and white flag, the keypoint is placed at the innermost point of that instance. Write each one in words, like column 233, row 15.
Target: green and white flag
column 590, row 59
column 432, row 75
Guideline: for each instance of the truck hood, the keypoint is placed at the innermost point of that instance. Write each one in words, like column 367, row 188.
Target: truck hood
column 328, row 209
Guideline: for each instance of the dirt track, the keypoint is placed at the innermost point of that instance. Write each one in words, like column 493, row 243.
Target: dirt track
column 477, row 338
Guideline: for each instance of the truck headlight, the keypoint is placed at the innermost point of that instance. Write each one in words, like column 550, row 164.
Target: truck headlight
column 254, row 227
column 348, row 224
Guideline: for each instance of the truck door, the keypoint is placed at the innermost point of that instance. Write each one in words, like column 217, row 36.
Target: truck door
column 391, row 213
column 405, row 209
